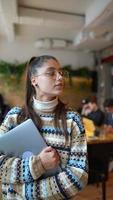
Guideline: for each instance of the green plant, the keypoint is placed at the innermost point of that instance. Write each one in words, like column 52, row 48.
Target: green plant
column 9, row 71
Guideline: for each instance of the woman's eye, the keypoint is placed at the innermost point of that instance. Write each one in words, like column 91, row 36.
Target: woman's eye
column 52, row 73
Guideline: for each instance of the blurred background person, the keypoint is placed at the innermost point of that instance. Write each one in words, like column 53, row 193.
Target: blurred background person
column 85, row 107
column 108, row 122
column 93, row 112
column 88, row 123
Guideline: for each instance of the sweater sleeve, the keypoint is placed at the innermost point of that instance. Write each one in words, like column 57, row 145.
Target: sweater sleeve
column 12, row 169
column 73, row 177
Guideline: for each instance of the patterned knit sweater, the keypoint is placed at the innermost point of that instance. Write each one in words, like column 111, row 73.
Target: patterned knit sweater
column 20, row 179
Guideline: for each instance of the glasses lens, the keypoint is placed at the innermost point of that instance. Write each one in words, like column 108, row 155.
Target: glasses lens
column 64, row 73
column 53, row 73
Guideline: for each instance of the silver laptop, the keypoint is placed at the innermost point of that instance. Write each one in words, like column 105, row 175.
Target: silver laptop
column 23, row 141
column 23, row 138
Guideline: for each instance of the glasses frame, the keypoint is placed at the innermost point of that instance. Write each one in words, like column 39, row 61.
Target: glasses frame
column 61, row 72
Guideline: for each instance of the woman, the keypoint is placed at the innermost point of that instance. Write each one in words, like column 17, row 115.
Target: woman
column 21, row 179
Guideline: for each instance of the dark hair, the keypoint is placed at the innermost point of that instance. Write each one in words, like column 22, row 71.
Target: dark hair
column 90, row 99
column 85, row 101
column 93, row 99
column 27, row 110
column 4, row 108
column 108, row 102
column 1, row 100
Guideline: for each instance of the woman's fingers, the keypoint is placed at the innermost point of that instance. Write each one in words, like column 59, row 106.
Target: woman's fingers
column 48, row 149
column 50, row 157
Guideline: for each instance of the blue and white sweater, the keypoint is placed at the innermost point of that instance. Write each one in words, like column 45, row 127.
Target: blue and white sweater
column 20, row 178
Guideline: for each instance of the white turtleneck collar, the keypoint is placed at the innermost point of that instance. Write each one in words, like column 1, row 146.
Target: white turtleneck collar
column 48, row 106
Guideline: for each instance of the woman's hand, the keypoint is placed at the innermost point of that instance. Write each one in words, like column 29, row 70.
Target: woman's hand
column 49, row 158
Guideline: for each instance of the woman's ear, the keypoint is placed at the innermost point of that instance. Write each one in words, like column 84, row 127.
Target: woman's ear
column 34, row 81
column 36, row 85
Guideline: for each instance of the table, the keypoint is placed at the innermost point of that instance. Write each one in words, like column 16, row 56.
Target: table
column 99, row 150
column 106, row 138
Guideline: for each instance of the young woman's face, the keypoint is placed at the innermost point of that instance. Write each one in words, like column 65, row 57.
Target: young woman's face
column 48, row 81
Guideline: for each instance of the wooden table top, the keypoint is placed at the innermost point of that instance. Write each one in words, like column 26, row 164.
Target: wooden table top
column 106, row 138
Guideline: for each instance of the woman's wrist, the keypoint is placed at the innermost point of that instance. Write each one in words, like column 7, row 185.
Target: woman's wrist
column 42, row 163
column 36, row 167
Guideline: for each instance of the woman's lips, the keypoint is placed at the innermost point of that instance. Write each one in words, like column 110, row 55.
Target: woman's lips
column 60, row 85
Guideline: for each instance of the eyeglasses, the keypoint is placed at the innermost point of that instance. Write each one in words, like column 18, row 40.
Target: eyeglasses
column 53, row 73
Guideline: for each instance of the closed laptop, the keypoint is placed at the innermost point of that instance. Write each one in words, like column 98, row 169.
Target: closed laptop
column 23, row 138
column 23, row 141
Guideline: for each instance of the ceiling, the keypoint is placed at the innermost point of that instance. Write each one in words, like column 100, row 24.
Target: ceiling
column 68, row 24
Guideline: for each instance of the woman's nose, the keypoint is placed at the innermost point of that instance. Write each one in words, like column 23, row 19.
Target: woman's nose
column 59, row 75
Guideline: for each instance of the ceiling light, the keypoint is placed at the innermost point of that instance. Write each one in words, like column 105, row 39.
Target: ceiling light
column 59, row 43
column 43, row 43
column 47, row 43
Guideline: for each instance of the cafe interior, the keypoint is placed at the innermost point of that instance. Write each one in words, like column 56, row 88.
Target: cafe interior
column 80, row 34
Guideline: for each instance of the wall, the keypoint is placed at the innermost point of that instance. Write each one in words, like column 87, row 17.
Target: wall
column 19, row 51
